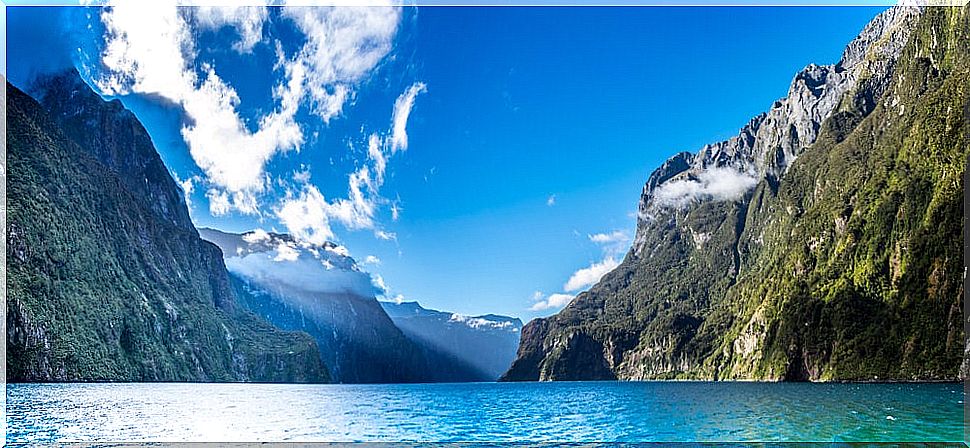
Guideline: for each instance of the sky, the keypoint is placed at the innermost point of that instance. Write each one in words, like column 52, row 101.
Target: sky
column 477, row 160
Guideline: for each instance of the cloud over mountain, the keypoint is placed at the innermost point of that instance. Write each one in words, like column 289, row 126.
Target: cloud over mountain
column 152, row 49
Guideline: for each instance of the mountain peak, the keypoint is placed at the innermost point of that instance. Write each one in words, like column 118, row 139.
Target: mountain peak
column 768, row 144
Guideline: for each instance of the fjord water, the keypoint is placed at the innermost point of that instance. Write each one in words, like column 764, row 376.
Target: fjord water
column 569, row 412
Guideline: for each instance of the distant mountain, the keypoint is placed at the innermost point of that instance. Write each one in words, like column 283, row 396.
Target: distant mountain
column 320, row 289
column 107, row 278
column 823, row 242
column 487, row 343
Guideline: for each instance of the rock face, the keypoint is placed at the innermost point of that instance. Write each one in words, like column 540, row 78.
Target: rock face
column 108, row 280
column 824, row 242
column 485, row 343
column 322, row 291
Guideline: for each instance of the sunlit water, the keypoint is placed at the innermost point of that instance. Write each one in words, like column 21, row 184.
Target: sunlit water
column 566, row 412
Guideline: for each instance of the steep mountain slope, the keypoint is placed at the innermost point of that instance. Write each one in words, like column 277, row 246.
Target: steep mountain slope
column 107, row 278
column 321, row 290
column 823, row 242
column 486, row 343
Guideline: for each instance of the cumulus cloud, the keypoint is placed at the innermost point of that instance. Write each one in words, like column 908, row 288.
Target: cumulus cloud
column 378, row 282
column 370, row 259
column 150, row 49
column 399, row 120
column 716, row 183
column 588, row 276
column 286, row 251
column 553, row 301
column 306, row 216
column 551, row 200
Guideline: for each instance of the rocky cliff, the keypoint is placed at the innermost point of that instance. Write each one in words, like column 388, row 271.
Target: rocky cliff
column 823, row 242
column 107, row 278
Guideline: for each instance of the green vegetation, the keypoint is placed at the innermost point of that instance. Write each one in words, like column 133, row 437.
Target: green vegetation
column 849, row 267
column 102, row 289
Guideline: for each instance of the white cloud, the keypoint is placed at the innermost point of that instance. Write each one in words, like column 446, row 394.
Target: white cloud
column 588, row 276
column 614, row 243
column 551, row 200
column 378, row 283
column 384, row 235
column 375, row 152
column 616, row 236
column 286, row 252
column 338, row 249
column 246, row 20
column 218, row 202
column 306, row 216
column 716, row 183
column 478, row 322
column 188, row 187
column 277, row 263
column 256, row 236
column 302, row 175
column 552, row 301
column 370, row 259
column 342, row 45
column 358, row 210
column 399, row 120
column 150, row 49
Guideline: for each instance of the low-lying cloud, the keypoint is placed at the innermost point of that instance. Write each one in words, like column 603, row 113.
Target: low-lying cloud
column 552, row 301
column 275, row 262
column 588, row 276
column 716, row 184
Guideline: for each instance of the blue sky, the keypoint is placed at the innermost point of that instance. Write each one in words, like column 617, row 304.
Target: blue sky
column 529, row 131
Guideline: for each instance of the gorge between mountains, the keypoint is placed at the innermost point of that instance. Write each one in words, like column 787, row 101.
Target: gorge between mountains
column 824, row 242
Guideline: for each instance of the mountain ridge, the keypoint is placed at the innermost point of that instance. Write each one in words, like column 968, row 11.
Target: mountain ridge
column 106, row 285
column 749, row 263
column 320, row 289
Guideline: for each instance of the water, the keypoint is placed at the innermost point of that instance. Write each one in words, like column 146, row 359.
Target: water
column 566, row 412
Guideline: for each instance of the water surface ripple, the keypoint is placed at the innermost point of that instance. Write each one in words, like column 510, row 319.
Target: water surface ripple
column 493, row 412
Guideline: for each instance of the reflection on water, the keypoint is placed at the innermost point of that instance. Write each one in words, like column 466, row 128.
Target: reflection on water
column 569, row 412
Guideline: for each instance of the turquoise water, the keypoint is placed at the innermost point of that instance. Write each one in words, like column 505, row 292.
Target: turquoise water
column 565, row 412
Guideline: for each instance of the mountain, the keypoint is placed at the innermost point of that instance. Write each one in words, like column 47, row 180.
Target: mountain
column 823, row 242
column 487, row 343
column 107, row 278
column 321, row 290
